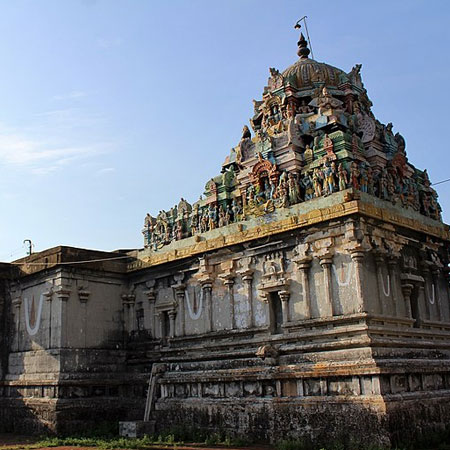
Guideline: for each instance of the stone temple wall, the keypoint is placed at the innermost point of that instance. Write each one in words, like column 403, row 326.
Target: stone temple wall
column 317, row 331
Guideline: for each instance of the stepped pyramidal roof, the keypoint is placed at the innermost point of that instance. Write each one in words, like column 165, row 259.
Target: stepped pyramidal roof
column 313, row 135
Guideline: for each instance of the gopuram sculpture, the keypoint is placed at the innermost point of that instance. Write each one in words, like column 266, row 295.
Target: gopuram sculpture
column 309, row 105
column 305, row 295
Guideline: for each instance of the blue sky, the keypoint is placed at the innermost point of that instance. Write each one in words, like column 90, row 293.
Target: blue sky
column 111, row 109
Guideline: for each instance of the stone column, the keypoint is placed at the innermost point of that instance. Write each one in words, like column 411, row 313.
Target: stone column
column 427, row 290
column 17, row 302
column 304, row 266
column 229, row 283
column 48, row 299
column 358, row 257
column 379, row 263
column 63, row 296
column 421, row 302
column 83, row 296
column 151, row 296
column 180, row 293
column 406, row 290
column 325, row 263
column 207, row 296
column 128, row 312
column 172, row 315
column 284, row 297
column 435, row 277
column 247, row 278
column 162, row 331
column 392, row 263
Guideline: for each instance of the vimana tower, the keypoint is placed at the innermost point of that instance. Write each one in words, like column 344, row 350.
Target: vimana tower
column 305, row 295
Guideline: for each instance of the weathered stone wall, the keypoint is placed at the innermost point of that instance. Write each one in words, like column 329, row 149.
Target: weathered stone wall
column 339, row 321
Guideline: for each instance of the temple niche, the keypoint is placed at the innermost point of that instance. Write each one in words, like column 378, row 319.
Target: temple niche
column 305, row 295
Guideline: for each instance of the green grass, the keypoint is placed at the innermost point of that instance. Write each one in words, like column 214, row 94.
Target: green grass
column 172, row 439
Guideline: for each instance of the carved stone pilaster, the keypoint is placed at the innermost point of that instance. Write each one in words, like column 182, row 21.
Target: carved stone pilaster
column 435, row 273
column 228, row 281
column 83, row 297
column 379, row 263
column 180, row 294
column 151, row 296
column 207, row 295
column 392, row 264
column 128, row 305
column 358, row 258
column 172, row 316
column 246, row 272
column 325, row 262
column 407, row 290
column 284, row 297
column 48, row 298
column 205, row 278
column 17, row 303
column 63, row 295
column 304, row 266
column 303, row 261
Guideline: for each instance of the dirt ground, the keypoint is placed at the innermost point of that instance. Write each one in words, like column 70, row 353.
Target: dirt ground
column 13, row 441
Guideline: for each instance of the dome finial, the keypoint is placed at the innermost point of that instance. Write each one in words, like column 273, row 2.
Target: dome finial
column 303, row 50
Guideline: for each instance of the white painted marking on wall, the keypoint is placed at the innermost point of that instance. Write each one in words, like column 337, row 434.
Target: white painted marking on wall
column 432, row 299
column 388, row 291
column 32, row 330
column 348, row 277
column 194, row 315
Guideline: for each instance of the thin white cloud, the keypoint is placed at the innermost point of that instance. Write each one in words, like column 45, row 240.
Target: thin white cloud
column 55, row 139
column 106, row 170
column 19, row 150
column 73, row 95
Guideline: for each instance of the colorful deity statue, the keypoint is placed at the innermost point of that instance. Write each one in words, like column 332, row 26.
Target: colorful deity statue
column 329, row 171
column 363, row 180
column 237, row 210
column 204, row 221
column 342, row 177
column 354, row 174
column 212, row 217
column 317, row 182
column 308, row 155
column 294, row 191
column 307, row 184
column 195, row 220
column 383, row 182
column 310, row 142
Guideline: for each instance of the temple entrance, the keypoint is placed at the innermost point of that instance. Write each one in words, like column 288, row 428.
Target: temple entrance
column 275, row 313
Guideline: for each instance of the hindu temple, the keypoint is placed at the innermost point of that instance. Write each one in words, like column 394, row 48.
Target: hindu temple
column 304, row 295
